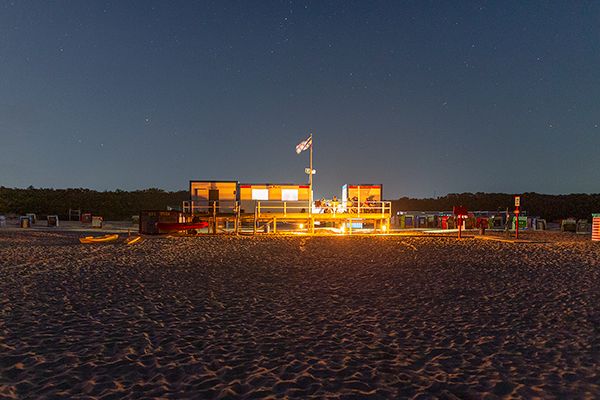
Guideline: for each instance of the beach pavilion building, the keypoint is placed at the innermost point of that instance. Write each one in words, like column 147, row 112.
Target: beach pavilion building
column 265, row 204
column 221, row 194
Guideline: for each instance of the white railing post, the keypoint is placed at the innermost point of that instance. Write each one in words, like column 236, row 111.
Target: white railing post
column 255, row 219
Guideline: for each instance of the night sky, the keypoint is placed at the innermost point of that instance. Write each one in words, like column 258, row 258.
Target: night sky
column 425, row 97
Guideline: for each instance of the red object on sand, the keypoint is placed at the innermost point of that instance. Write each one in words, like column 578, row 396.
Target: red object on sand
column 461, row 213
column 181, row 226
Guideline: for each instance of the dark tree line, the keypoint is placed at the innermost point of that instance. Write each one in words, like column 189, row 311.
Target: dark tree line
column 550, row 207
column 120, row 205
column 112, row 205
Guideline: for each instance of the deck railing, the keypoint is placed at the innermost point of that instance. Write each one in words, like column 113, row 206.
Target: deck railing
column 212, row 207
column 264, row 208
column 285, row 208
column 367, row 209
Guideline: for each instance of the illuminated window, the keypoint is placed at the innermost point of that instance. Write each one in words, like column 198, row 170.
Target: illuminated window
column 260, row 194
column 289, row 194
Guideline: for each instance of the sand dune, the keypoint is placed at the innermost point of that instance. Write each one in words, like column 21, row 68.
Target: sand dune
column 297, row 317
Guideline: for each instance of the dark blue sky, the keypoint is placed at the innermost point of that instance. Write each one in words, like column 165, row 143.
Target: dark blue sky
column 424, row 97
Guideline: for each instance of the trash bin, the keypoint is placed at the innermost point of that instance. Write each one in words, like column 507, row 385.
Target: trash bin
column 52, row 220
column 24, row 222
column 97, row 222
column 596, row 227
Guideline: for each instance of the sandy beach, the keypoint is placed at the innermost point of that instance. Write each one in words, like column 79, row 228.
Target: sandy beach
column 298, row 317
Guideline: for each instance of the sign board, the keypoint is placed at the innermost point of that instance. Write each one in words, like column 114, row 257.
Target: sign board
column 517, row 201
column 459, row 210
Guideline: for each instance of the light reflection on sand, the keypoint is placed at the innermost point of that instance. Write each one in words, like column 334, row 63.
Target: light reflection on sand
column 378, row 317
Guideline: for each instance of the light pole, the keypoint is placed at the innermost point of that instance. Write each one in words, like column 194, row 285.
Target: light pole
column 304, row 145
column 310, row 178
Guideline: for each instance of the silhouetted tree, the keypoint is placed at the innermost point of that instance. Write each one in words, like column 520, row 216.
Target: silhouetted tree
column 120, row 204
column 551, row 207
column 113, row 205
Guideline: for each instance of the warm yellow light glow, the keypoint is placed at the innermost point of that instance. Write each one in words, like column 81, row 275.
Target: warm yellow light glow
column 384, row 227
column 301, row 226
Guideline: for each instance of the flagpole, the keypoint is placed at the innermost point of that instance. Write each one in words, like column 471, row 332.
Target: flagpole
column 310, row 178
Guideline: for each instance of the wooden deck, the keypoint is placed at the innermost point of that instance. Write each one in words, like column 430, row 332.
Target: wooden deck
column 321, row 217
column 280, row 212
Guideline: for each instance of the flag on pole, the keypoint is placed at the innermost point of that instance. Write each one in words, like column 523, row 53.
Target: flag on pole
column 304, row 145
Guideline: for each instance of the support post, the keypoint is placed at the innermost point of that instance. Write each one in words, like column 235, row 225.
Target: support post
column 214, row 212
column 358, row 197
column 237, row 218
column 310, row 179
column 517, row 223
column 255, row 220
column 274, row 224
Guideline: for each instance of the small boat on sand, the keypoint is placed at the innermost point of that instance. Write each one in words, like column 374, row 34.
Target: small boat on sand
column 99, row 239
column 132, row 240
